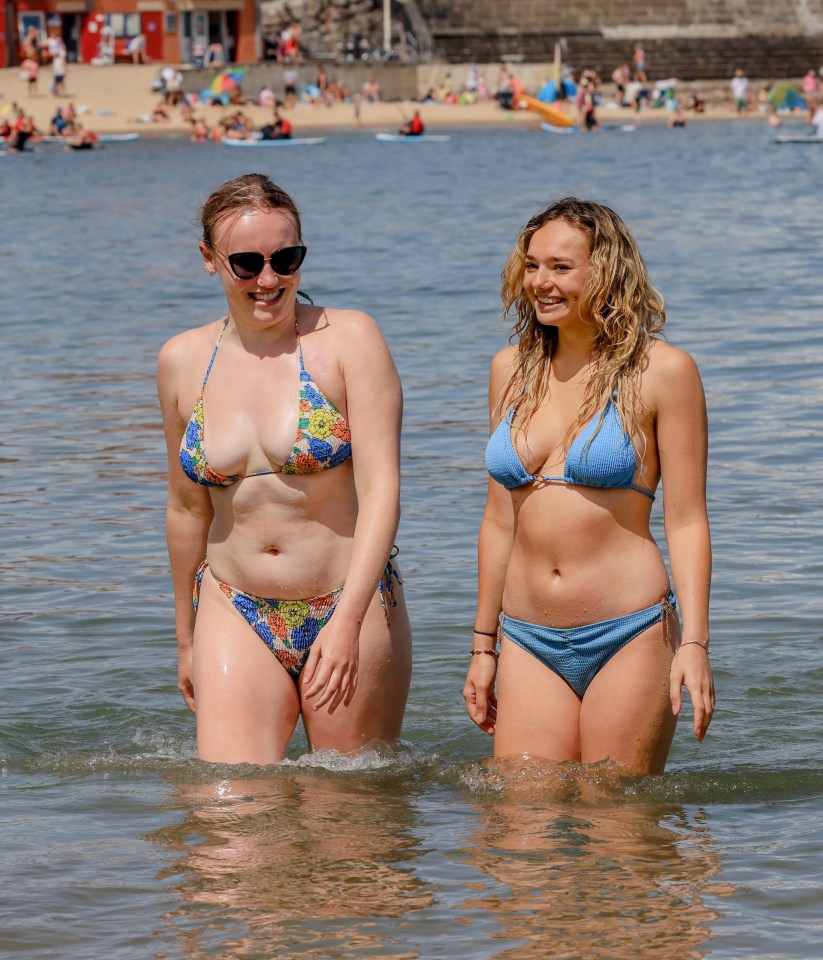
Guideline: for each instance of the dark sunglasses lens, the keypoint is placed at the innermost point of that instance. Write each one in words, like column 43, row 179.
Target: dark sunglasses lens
column 246, row 265
column 287, row 261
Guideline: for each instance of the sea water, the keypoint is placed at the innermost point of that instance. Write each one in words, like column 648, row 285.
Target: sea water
column 117, row 843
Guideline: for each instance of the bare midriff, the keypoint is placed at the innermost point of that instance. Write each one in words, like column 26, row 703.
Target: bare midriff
column 581, row 555
column 284, row 537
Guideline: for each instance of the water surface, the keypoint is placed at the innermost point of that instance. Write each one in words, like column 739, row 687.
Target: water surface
column 118, row 843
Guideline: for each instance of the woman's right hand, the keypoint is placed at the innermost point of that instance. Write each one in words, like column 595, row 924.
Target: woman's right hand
column 330, row 673
column 184, row 676
column 478, row 692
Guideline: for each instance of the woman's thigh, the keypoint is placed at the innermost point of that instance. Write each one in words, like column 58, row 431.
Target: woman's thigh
column 537, row 711
column 247, row 704
column 627, row 714
column 383, row 677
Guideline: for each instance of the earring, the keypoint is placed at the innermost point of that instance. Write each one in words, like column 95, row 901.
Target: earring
column 210, row 271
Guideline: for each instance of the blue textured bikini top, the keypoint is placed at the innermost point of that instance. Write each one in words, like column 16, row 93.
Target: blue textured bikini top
column 609, row 461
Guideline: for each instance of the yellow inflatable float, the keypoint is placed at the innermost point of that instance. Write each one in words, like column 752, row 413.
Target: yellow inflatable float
column 545, row 111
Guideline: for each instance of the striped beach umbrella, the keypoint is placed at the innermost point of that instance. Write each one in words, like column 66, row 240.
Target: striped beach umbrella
column 227, row 79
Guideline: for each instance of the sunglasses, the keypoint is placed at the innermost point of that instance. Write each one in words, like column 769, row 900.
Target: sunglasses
column 247, row 266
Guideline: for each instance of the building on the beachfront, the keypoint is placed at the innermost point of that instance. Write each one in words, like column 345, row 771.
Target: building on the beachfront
column 107, row 31
column 706, row 39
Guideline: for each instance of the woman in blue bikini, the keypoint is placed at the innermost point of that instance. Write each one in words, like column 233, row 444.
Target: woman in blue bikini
column 590, row 410
column 282, row 423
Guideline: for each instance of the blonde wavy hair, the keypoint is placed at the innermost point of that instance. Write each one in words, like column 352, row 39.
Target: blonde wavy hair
column 626, row 309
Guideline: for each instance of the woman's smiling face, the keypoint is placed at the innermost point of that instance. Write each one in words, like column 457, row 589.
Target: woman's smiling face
column 268, row 298
column 556, row 276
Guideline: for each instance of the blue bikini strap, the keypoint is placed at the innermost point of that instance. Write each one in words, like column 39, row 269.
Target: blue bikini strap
column 213, row 355
column 299, row 346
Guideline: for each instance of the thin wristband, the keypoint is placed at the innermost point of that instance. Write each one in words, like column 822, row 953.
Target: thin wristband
column 491, row 653
column 485, row 633
column 700, row 643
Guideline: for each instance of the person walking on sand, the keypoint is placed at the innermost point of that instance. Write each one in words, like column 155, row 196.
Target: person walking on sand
column 639, row 70
column 621, row 77
column 590, row 410
column 810, row 87
column 587, row 104
column 31, row 44
column 282, row 424
column 30, row 71
column 57, row 51
column 290, row 92
column 740, row 91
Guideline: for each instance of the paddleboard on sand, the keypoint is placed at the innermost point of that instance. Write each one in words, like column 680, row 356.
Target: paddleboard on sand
column 404, row 138
column 292, row 142
column 546, row 111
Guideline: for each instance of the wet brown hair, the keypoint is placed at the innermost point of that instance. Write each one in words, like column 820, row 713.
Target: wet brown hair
column 252, row 190
column 625, row 307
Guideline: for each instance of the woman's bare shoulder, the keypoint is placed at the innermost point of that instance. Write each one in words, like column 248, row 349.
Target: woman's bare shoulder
column 353, row 336
column 502, row 364
column 184, row 347
column 669, row 369
column 504, row 359
column 665, row 360
column 345, row 323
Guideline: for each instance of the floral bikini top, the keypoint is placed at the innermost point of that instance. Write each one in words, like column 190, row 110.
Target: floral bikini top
column 323, row 435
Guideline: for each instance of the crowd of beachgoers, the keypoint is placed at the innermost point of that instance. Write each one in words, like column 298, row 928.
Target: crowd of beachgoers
column 225, row 110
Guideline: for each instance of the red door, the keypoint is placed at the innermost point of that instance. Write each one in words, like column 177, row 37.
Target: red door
column 153, row 29
column 4, row 54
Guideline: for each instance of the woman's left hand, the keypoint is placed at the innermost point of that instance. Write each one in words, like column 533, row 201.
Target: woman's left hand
column 691, row 668
column 330, row 674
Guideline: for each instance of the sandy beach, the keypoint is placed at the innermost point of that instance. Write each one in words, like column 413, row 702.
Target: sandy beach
column 119, row 99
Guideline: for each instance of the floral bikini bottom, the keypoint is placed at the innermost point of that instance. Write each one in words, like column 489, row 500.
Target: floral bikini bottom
column 290, row 627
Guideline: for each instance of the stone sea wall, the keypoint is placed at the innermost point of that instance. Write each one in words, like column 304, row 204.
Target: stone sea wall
column 685, row 38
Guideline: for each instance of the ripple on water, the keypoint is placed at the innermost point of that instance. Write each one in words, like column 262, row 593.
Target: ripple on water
column 120, row 843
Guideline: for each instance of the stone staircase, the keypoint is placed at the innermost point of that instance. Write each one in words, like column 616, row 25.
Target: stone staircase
column 689, row 39
column 683, row 38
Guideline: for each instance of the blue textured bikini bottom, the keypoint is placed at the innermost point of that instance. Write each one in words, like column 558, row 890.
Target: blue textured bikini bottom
column 577, row 654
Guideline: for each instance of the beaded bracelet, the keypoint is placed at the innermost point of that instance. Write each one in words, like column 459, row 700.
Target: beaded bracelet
column 700, row 643
column 491, row 653
column 485, row 633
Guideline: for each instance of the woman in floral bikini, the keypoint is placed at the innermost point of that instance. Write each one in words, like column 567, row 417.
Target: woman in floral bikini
column 282, row 424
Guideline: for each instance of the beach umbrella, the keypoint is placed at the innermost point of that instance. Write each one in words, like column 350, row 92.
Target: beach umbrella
column 227, row 79
column 785, row 96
